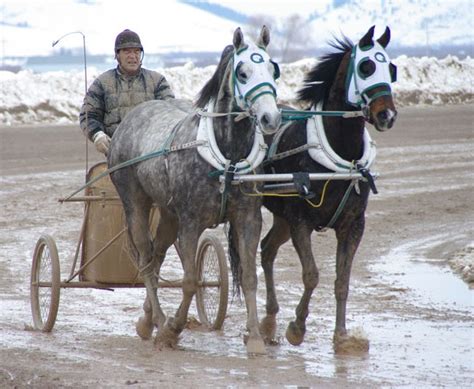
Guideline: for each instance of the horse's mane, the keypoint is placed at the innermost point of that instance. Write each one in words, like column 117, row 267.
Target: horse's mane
column 325, row 72
column 211, row 88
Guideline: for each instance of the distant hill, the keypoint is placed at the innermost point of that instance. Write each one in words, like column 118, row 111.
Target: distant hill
column 179, row 31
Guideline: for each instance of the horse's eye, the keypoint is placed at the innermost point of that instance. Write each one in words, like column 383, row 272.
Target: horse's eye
column 366, row 68
column 276, row 70
column 241, row 73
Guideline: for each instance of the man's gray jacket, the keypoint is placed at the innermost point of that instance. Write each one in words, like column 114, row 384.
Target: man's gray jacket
column 112, row 95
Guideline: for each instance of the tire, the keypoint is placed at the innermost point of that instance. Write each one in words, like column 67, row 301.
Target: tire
column 45, row 297
column 211, row 301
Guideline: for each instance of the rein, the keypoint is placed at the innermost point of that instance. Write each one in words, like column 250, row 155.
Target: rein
column 290, row 115
column 165, row 150
column 238, row 115
column 287, row 114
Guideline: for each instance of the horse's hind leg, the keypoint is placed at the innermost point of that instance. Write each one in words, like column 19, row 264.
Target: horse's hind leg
column 165, row 236
column 144, row 325
column 137, row 206
column 141, row 246
column 301, row 238
column 348, row 239
column 278, row 234
column 168, row 334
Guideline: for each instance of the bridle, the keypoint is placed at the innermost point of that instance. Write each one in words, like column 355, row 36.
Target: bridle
column 247, row 91
column 369, row 76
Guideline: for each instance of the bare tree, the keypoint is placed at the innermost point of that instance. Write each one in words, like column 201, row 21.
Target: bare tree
column 256, row 22
column 295, row 38
column 290, row 36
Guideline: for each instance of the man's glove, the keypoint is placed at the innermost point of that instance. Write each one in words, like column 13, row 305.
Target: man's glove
column 102, row 142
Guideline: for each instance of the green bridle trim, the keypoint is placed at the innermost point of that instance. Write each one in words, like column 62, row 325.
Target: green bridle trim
column 289, row 115
column 257, row 87
column 386, row 92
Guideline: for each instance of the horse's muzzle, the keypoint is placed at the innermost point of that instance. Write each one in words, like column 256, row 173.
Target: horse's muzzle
column 385, row 119
column 270, row 122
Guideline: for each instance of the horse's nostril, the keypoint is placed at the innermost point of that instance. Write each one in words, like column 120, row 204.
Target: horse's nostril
column 269, row 123
column 265, row 120
column 383, row 115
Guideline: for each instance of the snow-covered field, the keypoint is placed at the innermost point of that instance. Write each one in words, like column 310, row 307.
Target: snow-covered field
column 56, row 97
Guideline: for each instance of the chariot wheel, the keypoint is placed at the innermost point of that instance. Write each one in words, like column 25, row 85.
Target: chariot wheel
column 213, row 278
column 45, row 284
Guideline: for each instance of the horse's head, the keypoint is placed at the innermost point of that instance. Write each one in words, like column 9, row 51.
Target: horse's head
column 368, row 80
column 253, row 79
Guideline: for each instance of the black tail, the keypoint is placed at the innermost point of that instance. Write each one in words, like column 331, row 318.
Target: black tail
column 234, row 260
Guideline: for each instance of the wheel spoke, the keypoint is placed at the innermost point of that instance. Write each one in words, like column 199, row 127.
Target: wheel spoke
column 45, row 284
column 211, row 273
column 211, row 297
column 45, row 276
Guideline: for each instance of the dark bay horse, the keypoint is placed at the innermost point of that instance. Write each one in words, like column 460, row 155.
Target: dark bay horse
column 197, row 146
column 354, row 77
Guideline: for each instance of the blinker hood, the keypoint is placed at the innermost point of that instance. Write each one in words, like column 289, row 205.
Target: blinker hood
column 360, row 84
column 259, row 82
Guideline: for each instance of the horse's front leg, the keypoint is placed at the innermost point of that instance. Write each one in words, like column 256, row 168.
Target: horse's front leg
column 348, row 239
column 278, row 234
column 301, row 238
column 247, row 235
column 168, row 335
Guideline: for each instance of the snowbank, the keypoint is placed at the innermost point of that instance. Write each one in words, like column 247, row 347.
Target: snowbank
column 56, row 97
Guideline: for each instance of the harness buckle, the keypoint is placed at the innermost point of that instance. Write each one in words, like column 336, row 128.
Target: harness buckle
column 369, row 177
column 229, row 176
column 303, row 184
column 229, row 173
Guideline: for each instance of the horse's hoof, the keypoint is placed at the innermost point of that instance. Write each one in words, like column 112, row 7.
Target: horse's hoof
column 350, row 344
column 255, row 346
column 166, row 338
column 144, row 328
column 295, row 334
column 268, row 330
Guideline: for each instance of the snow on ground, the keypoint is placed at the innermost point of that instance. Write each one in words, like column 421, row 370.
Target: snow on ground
column 56, row 97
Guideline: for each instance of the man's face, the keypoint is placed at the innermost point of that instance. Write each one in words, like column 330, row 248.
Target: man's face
column 129, row 60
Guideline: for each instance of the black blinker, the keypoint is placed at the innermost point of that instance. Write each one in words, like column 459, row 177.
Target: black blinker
column 393, row 72
column 276, row 72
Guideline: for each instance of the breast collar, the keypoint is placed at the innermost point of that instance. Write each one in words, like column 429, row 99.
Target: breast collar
column 321, row 151
column 210, row 152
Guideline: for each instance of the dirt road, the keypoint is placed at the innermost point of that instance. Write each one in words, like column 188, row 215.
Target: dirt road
column 416, row 312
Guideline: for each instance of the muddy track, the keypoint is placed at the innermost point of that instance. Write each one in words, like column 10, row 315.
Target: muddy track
column 416, row 312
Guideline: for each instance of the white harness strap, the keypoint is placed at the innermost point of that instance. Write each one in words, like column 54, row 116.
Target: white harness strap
column 210, row 152
column 323, row 153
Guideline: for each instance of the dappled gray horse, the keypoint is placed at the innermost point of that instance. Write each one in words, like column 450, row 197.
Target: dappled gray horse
column 192, row 148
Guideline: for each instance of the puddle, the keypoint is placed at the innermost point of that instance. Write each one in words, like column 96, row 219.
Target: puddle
column 431, row 280
column 425, row 333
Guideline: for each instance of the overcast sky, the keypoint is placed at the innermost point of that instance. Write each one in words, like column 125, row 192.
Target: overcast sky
column 169, row 25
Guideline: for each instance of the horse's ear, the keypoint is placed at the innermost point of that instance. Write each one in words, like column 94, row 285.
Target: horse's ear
column 238, row 38
column 264, row 38
column 367, row 39
column 384, row 38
